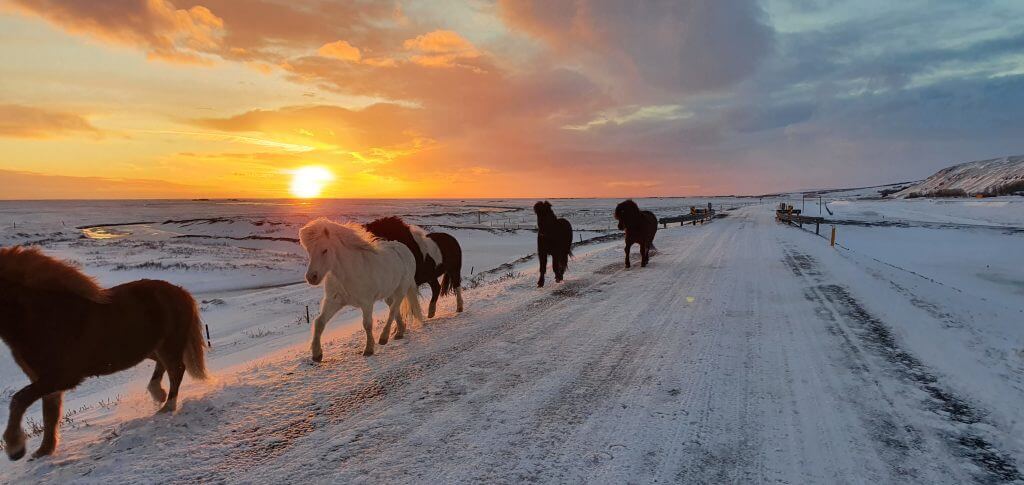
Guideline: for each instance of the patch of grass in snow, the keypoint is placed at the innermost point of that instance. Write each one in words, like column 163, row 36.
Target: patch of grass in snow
column 511, row 275
column 260, row 332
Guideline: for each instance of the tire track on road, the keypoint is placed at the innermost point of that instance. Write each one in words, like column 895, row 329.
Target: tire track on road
column 866, row 335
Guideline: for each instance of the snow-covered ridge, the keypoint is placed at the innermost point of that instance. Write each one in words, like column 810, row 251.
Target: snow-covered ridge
column 987, row 177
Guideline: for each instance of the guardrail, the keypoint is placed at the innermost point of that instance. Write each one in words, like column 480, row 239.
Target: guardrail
column 794, row 217
column 699, row 215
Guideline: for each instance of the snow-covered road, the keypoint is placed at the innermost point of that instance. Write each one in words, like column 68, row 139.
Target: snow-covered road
column 746, row 352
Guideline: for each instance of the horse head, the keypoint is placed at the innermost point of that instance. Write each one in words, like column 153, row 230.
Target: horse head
column 316, row 242
column 543, row 210
column 627, row 212
column 328, row 244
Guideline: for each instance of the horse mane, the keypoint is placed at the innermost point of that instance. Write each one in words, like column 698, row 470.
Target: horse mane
column 349, row 235
column 627, row 209
column 30, row 268
column 392, row 228
column 543, row 209
column 427, row 245
column 545, row 214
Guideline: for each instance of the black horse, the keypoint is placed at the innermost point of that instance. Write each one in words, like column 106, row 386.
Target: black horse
column 554, row 237
column 640, row 227
column 438, row 255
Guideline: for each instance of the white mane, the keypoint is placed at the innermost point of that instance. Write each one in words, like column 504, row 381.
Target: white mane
column 323, row 231
column 427, row 246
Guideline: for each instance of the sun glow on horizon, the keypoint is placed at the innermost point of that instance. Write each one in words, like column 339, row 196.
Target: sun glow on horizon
column 309, row 182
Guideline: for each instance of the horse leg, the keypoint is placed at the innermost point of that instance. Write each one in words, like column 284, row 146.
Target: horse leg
column 328, row 308
column 543, row 257
column 644, row 256
column 368, row 328
column 400, row 333
column 435, row 292
column 558, row 264
column 175, row 372
column 14, row 437
column 51, row 419
column 155, row 388
column 458, row 299
column 393, row 308
column 629, row 244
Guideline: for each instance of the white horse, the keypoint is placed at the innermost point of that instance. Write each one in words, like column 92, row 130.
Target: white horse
column 358, row 269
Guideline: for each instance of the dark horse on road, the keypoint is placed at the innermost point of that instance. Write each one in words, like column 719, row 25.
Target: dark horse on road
column 437, row 254
column 554, row 237
column 640, row 227
column 62, row 327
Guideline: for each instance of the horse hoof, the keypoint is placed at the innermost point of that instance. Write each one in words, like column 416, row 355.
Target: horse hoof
column 367, row 352
column 317, row 358
column 399, row 336
column 41, row 452
column 382, row 341
column 430, row 315
column 16, row 455
column 166, row 410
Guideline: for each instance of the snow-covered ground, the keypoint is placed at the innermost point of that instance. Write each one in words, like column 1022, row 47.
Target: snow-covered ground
column 748, row 351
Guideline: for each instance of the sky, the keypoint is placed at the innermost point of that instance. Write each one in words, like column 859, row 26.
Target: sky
column 500, row 98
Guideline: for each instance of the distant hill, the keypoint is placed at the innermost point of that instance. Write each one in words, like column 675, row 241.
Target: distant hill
column 998, row 176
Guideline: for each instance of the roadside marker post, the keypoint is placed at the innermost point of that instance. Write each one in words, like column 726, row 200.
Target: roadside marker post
column 832, row 242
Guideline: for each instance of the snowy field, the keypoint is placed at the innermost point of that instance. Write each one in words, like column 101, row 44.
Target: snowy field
column 748, row 351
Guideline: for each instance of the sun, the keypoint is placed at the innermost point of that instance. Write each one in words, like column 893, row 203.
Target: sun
column 308, row 182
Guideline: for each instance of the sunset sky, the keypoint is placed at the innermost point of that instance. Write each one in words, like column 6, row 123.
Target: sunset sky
column 442, row 98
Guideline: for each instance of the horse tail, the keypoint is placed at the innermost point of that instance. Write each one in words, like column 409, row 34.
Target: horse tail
column 451, row 254
column 411, row 309
column 195, row 344
column 567, row 229
column 452, row 277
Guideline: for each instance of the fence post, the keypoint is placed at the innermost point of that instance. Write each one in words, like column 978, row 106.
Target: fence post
column 832, row 242
column 817, row 225
column 307, row 314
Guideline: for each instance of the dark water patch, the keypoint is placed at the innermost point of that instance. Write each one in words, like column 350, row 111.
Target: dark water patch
column 238, row 238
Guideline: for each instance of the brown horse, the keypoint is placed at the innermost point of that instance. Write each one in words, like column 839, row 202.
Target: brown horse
column 640, row 227
column 554, row 237
column 62, row 327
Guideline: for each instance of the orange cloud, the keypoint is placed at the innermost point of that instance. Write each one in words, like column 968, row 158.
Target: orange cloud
column 340, row 50
column 633, row 184
column 380, row 125
column 440, row 48
column 165, row 32
column 16, row 185
column 18, row 121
